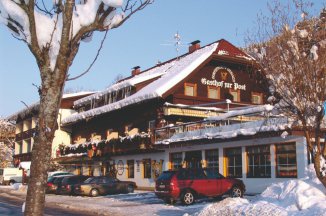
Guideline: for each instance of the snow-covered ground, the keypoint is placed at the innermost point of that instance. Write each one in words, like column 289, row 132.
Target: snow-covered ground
column 294, row 197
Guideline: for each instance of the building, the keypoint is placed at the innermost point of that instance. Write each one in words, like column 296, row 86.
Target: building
column 26, row 128
column 202, row 109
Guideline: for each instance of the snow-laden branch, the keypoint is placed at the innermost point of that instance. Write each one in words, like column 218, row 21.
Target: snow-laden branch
column 42, row 29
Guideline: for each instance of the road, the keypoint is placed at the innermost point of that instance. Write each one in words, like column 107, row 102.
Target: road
column 13, row 207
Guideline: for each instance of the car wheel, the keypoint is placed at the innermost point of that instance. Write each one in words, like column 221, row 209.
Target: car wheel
column 130, row 189
column 236, row 192
column 94, row 193
column 188, row 197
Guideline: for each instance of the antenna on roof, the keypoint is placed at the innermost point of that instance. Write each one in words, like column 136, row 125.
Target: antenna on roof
column 177, row 43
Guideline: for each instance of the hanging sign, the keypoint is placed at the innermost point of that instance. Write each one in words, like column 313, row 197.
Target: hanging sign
column 223, row 74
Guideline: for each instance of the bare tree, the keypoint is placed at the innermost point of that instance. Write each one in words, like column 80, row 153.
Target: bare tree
column 53, row 31
column 290, row 46
column 7, row 134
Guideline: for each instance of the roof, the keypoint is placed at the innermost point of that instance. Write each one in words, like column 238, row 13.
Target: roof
column 167, row 74
column 34, row 107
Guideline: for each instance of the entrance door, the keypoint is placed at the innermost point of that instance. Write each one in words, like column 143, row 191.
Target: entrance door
column 193, row 159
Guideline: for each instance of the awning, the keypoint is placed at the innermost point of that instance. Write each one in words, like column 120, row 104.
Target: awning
column 25, row 165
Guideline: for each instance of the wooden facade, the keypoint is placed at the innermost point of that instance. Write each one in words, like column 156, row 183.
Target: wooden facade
column 225, row 71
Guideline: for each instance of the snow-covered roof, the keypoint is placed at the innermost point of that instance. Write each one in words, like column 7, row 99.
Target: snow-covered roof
column 166, row 76
column 76, row 94
column 246, row 111
column 35, row 105
column 193, row 107
column 171, row 73
column 230, row 131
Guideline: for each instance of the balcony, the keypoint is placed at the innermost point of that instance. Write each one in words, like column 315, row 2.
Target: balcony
column 224, row 129
column 25, row 134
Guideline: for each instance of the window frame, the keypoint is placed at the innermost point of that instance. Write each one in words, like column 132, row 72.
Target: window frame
column 234, row 157
column 218, row 89
column 287, row 153
column 264, row 165
column 235, row 91
column 131, row 169
column 260, row 95
column 194, row 86
column 146, row 175
column 214, row 164
column 177, row 163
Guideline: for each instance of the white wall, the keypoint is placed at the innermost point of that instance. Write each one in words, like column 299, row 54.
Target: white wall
column 61, row 137
column 139, row 171
column 253, row 185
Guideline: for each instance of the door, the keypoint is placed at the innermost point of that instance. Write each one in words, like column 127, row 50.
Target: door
column 214, row 182
column 108, row 185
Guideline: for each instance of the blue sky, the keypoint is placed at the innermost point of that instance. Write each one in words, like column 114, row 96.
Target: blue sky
column 139, row 41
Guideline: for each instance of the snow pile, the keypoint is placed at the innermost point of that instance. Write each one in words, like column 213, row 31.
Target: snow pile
column 19, row 187
column 305, row 196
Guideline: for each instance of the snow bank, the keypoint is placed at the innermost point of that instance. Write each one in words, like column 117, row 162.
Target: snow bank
column 305, row 196
column 16, row 186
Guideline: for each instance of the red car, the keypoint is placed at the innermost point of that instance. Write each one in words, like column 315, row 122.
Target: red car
column 188, row 184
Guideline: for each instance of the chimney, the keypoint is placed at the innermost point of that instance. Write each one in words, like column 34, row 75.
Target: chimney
column 195, row 45
column 135, row 71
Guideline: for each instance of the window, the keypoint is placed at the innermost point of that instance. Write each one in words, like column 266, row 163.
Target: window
column 213, row 92
column 256, row 98
column 29, row 145
column 235, row 94
column 147, row 168
column 131, row 168
column 176, row 160
column 233, row 161
column 212, row 159
column 190, row 89
column 259, row 162
column 286, row 161
column 19, row 147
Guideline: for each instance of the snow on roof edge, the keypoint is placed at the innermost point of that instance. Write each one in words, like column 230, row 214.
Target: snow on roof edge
column 175, row 71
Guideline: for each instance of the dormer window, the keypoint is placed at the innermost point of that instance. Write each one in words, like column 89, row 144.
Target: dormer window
column 190, row 89
column 213, row 92
column 235, row 94
column 256, row 98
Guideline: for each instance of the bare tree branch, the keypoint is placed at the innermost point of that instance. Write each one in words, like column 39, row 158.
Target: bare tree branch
column 93, row 62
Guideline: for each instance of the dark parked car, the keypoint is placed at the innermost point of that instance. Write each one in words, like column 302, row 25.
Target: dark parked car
column 102, row 185
column 68, row 183
column 58, row 173
column 53, row 183
column 188, row 184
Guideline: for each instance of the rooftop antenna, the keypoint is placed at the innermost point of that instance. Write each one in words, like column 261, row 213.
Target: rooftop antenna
column 177, row 43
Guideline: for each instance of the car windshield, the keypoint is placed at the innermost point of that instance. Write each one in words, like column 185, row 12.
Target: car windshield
column 90, row 180
column 166, row 175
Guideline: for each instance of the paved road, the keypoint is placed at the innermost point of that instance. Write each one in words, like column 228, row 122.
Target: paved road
column 13, row 207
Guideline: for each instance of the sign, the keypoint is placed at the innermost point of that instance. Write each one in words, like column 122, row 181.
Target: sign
column 223, row 74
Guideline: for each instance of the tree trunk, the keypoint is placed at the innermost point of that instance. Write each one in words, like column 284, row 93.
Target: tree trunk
column 321, row 178
column 316, row 154
column 51, row 93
